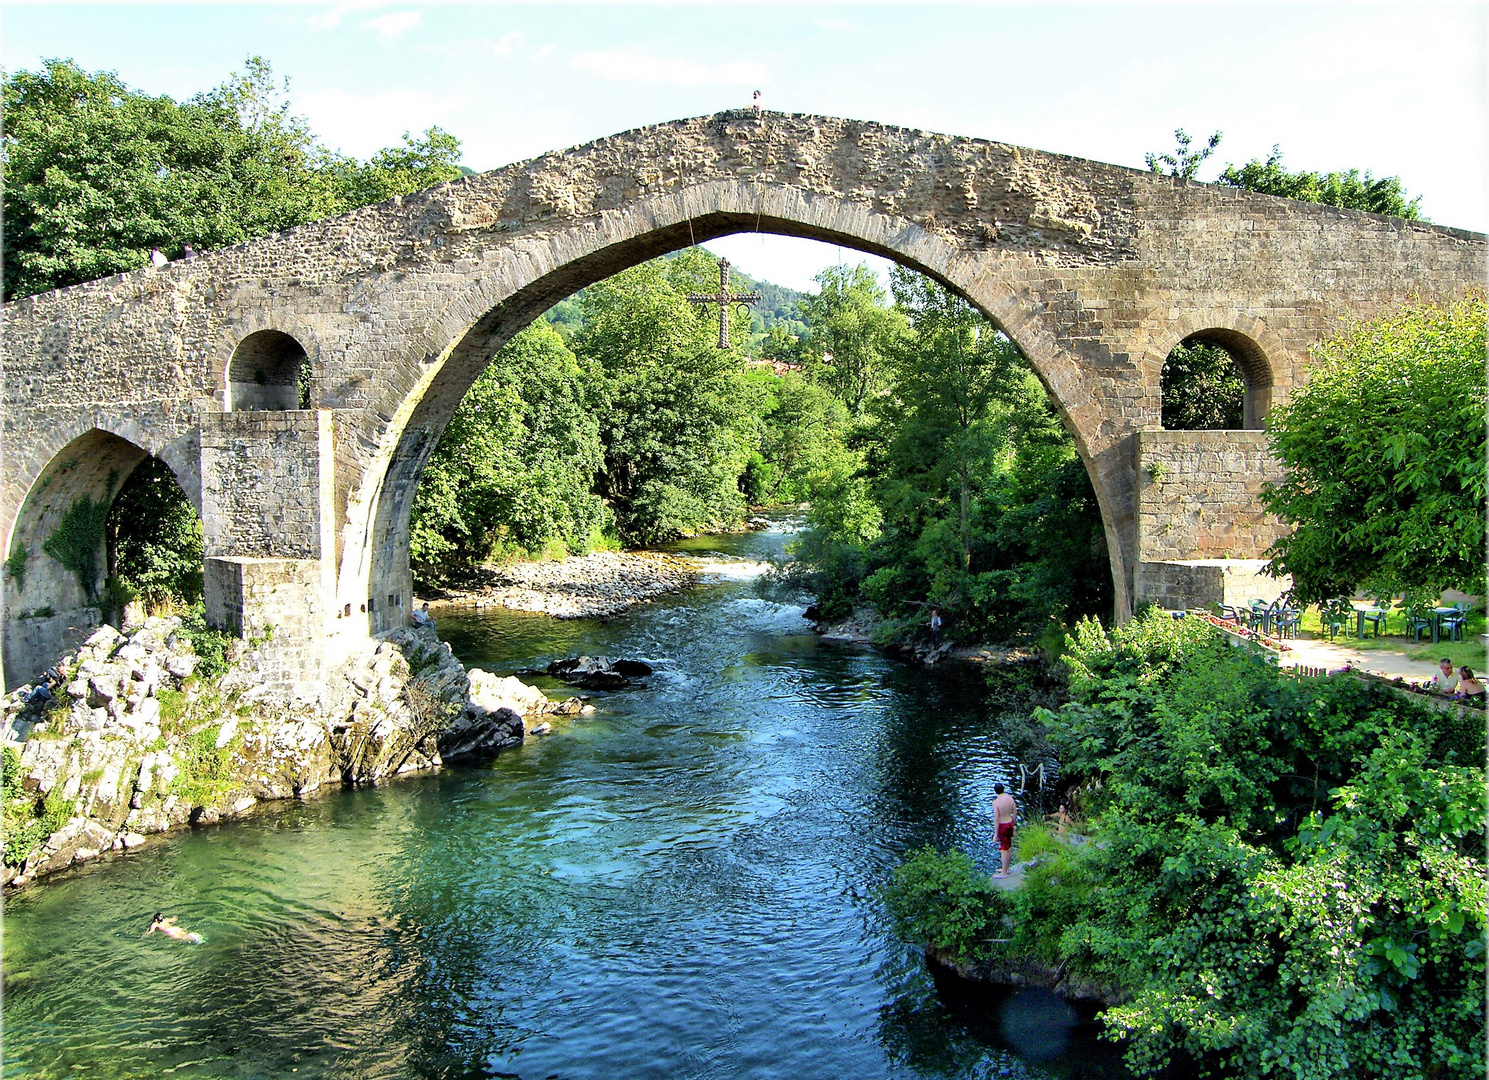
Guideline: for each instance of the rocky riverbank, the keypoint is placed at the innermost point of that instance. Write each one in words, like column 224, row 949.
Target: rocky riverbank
column 140, row 739
column 861, row 626
column 580, row 587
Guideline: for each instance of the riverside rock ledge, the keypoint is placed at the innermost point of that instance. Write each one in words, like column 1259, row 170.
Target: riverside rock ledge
column 138, row 742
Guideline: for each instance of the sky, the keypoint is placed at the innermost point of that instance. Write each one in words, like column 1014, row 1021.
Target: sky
column 1398, row 89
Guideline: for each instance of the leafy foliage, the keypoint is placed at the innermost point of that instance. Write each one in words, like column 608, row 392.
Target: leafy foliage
column 205, row 770
column 513, row 468
column 155, row 537
column 1203, row 389
column 1385, row 451
column 15, row 566
column 96, row 174
column 1291, row 876
column 941, row 899
column 958, row 486
column 678, row 416
column 852, row 335
column 77, row 540
column 1350, row 190
column 1183, row 162
column 212, row 647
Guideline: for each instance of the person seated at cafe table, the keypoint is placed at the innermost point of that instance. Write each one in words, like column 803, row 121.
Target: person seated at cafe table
column 1446, row 679
column 1469, row 687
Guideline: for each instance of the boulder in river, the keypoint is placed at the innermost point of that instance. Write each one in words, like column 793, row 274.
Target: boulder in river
column 598, row 672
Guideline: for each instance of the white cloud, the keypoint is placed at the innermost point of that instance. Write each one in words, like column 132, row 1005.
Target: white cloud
column 331, row 18
column 393, row 24
column 634, row 65
column 362, row 124
column 507, row 44
column 544, row 51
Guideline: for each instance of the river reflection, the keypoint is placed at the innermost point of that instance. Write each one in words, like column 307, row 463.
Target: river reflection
column 682, row 885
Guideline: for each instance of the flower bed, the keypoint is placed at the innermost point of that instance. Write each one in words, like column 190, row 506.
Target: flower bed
column 1245, row 633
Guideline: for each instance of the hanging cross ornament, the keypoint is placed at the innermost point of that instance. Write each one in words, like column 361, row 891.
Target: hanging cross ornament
column 724, row 298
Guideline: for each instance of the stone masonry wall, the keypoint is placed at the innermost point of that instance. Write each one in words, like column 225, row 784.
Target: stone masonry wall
column 1200, row 495
column 1199, row 583
column 1095, row 271
column 278, row 606
column 266, row 483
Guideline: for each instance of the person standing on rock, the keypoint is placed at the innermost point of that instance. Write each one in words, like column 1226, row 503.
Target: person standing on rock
column 168, row 927
column 1005, row 813
column 935, row 628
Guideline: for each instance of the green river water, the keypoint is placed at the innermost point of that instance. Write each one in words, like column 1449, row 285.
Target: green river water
column 682, row 885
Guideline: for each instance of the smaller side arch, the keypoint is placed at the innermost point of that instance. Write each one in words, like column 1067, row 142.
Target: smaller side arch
column 1258, row 353
column 265, row 373
column 56, row 559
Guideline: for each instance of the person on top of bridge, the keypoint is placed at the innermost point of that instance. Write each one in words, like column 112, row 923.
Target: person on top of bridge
column 157, row 258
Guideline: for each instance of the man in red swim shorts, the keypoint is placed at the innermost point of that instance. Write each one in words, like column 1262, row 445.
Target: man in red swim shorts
column 1005, row 813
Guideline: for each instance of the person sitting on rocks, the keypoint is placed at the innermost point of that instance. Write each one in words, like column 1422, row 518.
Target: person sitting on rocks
column 168, row 927
column 1062, row 820
column 422, row 616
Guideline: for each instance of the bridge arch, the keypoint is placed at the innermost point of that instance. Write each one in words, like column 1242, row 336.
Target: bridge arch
column 52, row 602
column 1260, row 356
column 459, row 340
column 265, row 373
column 1095, row 271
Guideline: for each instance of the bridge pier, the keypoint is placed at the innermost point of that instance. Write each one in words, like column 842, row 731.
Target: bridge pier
column 269, row 526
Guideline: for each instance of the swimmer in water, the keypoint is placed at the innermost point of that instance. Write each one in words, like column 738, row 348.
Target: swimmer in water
column 169, row 928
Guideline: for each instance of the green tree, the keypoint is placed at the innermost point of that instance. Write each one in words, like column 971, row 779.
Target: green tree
column 852, row 334
column 1350, row 190
column 97, row 174
column 948, row 373
column 1203, row 389
column 1184, row 162
column 513, row 470
column 1290, row 875
column 433, row 158
column 679, row 419
column 154, row 537
column 1384, row 450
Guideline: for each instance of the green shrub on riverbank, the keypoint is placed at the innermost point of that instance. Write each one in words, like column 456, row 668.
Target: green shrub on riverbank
column 1290, row 874
column 945, row 902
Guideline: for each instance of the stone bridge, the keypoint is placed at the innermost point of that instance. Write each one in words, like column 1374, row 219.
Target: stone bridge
column 1095, row 271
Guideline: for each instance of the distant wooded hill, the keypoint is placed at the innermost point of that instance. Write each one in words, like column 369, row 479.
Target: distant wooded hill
column 779, row 306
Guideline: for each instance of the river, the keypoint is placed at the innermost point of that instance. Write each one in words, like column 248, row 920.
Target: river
column 681, row 885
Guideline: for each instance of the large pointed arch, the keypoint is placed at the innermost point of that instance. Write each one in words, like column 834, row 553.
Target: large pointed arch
column 459, row 340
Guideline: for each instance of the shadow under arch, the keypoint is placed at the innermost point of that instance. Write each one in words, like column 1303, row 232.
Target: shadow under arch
column 51, row 606
column 375, row 564
column 264, row 373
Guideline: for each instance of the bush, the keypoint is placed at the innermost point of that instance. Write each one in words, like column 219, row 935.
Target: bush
column 211, row 646
column 1290, row 879
column 206, row 770
column 942, row 900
